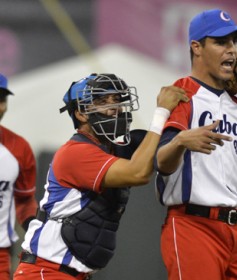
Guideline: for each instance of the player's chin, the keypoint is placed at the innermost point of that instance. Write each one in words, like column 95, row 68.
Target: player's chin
column 226, row 76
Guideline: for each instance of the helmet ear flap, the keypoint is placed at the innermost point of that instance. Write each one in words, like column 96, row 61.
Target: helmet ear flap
column 69, row 92
column 68, row 105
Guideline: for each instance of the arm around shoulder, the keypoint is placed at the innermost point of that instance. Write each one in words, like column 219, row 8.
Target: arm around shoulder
column 138, row 170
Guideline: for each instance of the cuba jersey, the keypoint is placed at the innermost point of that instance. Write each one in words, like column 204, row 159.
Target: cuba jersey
column 16, row 179
column 77, row 169
column 203, row 179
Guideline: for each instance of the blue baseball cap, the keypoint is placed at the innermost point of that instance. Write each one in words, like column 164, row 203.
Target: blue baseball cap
column 76, row 89
column 211, row 23
column 3, row 85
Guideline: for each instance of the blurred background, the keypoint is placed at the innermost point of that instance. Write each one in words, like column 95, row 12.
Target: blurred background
column 45, row 45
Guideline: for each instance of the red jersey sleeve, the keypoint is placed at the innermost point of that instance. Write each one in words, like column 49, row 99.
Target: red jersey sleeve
column 81, row 165
column 26, row 181
column 24, row 186
column 20, row 148
column 180, row 116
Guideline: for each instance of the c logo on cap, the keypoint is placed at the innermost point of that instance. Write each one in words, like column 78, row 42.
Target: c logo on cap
column 225, row 16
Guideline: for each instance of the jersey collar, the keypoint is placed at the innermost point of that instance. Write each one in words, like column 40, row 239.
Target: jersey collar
column 218, row 92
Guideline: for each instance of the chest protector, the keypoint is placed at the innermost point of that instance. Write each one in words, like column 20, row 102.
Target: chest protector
column 90, row 234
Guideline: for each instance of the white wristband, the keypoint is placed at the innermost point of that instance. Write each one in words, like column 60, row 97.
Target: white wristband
column 160, row 117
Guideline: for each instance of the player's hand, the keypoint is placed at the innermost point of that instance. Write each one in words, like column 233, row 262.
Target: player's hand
column 202, row 139
column 170, row 96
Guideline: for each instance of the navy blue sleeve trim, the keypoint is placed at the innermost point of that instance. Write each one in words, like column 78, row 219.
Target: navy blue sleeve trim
column 167, row 135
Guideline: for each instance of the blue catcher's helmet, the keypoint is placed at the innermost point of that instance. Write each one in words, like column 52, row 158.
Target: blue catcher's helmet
column 81, row 96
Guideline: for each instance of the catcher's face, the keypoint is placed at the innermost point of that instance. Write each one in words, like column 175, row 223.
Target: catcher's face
column 107, row 104
column 218, row 57
column 3, row 105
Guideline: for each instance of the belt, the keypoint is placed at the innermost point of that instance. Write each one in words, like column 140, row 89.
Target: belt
column 44, row 217
column 26, row 257
column 225, row 214
column 41, row 215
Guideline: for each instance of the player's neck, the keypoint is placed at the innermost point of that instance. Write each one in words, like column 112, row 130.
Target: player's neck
column 207, row 79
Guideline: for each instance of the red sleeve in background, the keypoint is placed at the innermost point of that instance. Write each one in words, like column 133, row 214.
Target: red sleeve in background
column 26, row 181
column 25, row 208
column 25, row 201
column 24, row 191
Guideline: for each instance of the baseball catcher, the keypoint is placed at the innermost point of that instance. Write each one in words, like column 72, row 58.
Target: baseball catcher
column 87, row 189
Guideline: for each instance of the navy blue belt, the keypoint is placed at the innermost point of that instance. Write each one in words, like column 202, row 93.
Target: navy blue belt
column 225, row 214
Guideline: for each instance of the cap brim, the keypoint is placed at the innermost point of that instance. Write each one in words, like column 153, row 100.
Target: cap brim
column 223, row 31
column 5, row 91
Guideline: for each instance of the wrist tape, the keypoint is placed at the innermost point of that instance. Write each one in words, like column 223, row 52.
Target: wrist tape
column 159, row 118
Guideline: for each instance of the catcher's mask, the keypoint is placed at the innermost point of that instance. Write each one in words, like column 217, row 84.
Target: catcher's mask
column 81, row 96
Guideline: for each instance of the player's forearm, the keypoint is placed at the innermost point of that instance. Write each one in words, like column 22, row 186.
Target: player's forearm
column 170, row 156
column 136, row 171
column 142, row 160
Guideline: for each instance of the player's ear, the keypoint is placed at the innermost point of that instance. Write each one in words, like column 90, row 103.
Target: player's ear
column 196, row 47
column 83, row 118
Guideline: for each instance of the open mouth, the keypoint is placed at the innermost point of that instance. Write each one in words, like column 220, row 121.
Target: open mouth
column 228, row 64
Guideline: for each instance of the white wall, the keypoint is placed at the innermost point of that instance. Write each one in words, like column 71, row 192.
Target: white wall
column 34, row 110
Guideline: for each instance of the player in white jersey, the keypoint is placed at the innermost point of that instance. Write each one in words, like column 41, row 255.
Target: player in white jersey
column 86, row 193
column 197, row 169
column 17, row 184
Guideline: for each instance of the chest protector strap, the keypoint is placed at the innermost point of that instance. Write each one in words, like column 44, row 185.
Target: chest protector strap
column 90, row 234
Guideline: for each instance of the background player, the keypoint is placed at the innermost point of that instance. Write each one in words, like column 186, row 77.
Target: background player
column 17, row 184
column 197, row 169
column 74, row 234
